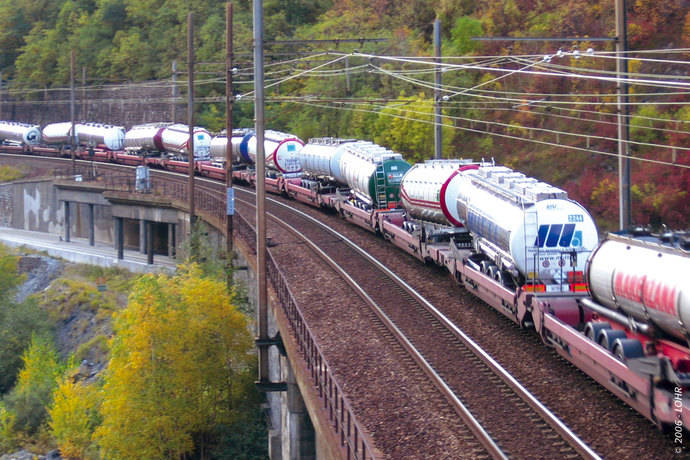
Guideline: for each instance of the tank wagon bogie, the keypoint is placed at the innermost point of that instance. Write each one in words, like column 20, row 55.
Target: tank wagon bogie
column 19, row 133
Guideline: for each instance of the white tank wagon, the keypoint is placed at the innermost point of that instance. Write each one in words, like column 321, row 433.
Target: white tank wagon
column 280, row 149
column 428, row 190
column 219, row 144
column 20, row 133
column 88, row 134
column 157, row 138
column 315, row 157
column 645, row 280
column 526, row 227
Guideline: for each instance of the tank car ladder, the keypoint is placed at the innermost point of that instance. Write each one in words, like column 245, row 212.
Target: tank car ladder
column 531, row 226
column 380, row 186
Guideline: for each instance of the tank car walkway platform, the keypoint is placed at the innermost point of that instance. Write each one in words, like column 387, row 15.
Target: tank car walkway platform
column 78, row 250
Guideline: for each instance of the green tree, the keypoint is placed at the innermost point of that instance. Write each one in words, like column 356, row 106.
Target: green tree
column 461, row 42
column 407, row 126
column 17, row 19
column 9, row 278
column 17, row 321
column 178, row 348
column 30, row 398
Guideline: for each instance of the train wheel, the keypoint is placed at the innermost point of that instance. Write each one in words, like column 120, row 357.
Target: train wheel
column 592, row 329
column 492, row 271
column 627, row 349
column 607, row 337
column 507, row 280
column 486, row 265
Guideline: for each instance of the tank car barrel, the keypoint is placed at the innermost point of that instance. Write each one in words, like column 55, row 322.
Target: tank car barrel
column 22, row 133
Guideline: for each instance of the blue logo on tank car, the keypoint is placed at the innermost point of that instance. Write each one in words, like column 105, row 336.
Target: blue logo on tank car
column 563, row 235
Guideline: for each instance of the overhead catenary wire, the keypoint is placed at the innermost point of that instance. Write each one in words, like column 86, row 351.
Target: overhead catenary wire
column 630, row 81
column 509, row 136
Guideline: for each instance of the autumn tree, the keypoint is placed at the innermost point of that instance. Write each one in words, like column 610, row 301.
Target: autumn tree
column 178, row 348
column 74, row 416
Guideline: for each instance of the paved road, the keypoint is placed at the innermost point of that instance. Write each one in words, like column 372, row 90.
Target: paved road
column 79, row 251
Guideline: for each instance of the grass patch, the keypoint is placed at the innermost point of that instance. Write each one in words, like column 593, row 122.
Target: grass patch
column 92, row 350
column 67, row 296
column 10, row 173
column 114, row 279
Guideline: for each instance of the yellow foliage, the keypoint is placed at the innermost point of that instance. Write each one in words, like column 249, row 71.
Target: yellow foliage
column 9, row 173
column 41, row 368
column 74, row 416
column 605, row 187
column 177, row 346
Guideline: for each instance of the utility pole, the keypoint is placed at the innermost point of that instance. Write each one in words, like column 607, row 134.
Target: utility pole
column 438, row 145
column 229, row 99
column 262, row 292
column 0, row 95
column 83, row 94
column 73, row 135
column 190, row 120
column 347, row 75
column 623, row 119
column 174, row 89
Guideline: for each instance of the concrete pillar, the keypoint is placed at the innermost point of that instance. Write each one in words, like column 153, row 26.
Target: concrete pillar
column 299, row 427
column 92, row 230
column 68, row 223
column 171, row 241
column 142, row 236
column 149, row 242
column 120, row 237
column 296, row 432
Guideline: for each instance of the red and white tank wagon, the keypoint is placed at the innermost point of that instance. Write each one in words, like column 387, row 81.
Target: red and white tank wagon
column 167, row 139
column 428, row 190
column 640, row 292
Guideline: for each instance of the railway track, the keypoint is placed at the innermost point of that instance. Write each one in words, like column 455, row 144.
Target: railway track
column 501, row 414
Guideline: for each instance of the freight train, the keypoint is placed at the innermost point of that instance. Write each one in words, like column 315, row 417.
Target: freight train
column 618, row 309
